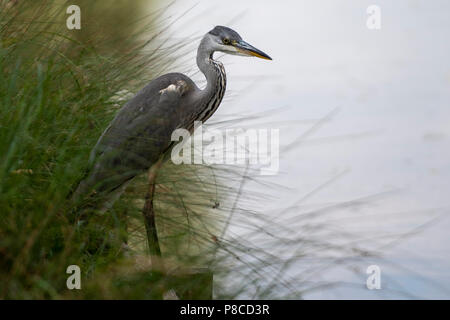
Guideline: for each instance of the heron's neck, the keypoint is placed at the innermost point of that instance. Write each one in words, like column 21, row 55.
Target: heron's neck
column 212, row 94
column 209, row 67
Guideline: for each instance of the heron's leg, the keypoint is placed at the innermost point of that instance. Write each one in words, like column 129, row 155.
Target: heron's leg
column 149, row 218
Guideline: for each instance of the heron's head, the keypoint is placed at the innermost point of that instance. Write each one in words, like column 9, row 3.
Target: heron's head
column 226, row 40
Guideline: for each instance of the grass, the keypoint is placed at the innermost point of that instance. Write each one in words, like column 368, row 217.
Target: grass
column 58, row 93
column 60, row 90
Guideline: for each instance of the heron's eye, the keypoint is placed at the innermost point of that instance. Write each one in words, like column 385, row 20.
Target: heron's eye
column 226, row 41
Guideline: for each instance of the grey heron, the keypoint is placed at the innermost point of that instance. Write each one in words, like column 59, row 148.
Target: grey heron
column 140, row 134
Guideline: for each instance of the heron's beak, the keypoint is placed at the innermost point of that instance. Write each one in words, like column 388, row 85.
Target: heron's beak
column 249, row 50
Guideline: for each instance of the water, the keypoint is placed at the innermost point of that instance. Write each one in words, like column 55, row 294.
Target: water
column 390, row 133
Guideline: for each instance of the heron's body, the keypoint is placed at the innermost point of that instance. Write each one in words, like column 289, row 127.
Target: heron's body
column 140, row 134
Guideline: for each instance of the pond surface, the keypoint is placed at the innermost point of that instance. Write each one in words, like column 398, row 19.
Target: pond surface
column 384, row 98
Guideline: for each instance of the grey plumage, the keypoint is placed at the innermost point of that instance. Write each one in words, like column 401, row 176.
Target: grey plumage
column 140, row 134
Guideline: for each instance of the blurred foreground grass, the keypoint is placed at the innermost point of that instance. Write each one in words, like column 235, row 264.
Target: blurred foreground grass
column 58, row 92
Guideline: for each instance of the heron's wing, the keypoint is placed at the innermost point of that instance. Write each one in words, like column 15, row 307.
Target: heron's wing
column 139, row 134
